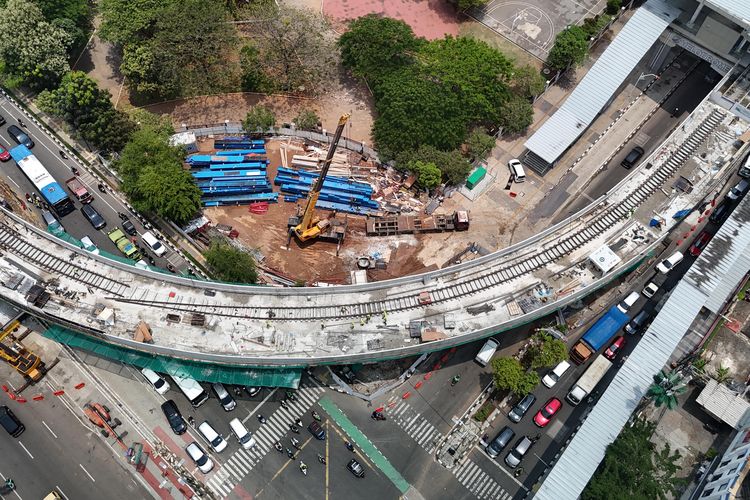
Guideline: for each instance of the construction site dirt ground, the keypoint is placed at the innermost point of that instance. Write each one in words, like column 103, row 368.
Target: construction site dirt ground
column 317, row 261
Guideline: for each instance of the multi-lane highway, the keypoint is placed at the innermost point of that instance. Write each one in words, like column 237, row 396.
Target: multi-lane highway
column 75, row 224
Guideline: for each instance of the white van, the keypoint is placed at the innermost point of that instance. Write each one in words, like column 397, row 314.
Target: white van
column 628, row 302
column 486, row 352
column 200, row 457
column 557, row 372
column 516, row 171
column 154, row 244
column 243, row 435
column 214, row 439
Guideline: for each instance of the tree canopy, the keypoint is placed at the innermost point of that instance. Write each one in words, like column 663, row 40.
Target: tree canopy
column 633, row 469
column 453, row 166
column 32, row 49
column 88, row 109
column 546, row 351
column 153, row 177
column 480, row 143
column 570, row 48
column 428, row 174
column 259, row 119
column 508, row 373
column 307, row 119
column 230, row 264
column 376, row 45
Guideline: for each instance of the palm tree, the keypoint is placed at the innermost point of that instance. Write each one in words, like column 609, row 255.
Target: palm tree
column 722, row 374
column 666, row 388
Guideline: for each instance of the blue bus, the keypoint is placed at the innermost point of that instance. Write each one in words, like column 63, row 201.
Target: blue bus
column 52, row 192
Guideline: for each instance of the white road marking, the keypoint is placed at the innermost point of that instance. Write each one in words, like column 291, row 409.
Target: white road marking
column 26, row 450
column 14, row 183
column 50, row 430
column 250, row 414
column 10, row 384
column 66, row 497
column 87, row 472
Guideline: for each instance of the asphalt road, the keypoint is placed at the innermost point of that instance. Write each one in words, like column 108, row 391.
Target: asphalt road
column 684, row 99
column 57, row 452
column 46, row 150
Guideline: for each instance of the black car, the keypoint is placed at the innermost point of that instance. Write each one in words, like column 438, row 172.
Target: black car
column 721, row 212
column 632, row 157
column 10, row 422
column 6, row 205
column 252, row 391
column 518, row 411
column 174, row 417
column 2, row 120
column 356, row 468
column 316, row 430
column 638, row 323
column 20, row 136
column 501, row 441
column 93, row 216
column 129, row 227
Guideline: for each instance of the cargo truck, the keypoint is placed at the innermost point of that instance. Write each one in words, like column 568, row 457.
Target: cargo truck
column 598, row 335
column 125, row 246
column 588, row 380
column 79, row 190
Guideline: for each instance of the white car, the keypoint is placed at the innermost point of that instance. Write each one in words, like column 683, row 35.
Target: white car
column 244, row 436
column 161, row 385
column 89, row 246
column 650, row 289
column 154, row 244
column 555, row 374
column 628, row 302
column 668, row 264
column 214, row 439
column 200, row 457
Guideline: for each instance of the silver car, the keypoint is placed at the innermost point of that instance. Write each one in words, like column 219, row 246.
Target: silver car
column 515, row 455
column 226, row 399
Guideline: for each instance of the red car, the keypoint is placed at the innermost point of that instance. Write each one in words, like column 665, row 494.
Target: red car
column 4, row 153
column 548, row 411
column 613, row 349
column 699, row 243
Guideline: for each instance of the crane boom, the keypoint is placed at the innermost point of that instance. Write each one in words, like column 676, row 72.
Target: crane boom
column 310, row 225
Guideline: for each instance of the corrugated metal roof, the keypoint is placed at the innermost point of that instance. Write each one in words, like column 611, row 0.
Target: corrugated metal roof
column 600, row 83
column 720, row 400
column 726, row 257
column 738, row 10
column 711, row 279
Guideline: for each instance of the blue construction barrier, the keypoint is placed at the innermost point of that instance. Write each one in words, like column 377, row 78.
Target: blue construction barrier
column 240, row 199
column 250, row 165
column 240, row 152
column 216, row 174
column 206, row 160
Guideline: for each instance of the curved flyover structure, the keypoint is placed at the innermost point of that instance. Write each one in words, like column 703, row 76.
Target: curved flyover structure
column 274, row 327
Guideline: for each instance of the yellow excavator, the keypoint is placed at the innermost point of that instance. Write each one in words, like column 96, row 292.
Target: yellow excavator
column 309, row 226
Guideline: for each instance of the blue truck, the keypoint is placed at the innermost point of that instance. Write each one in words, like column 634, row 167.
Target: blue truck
column 599, row 334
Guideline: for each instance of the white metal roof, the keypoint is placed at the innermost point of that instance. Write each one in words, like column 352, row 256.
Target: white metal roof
column 737, row 10
column 723, row 402
column 712, row 278
column 604, row 259
column 600, row 83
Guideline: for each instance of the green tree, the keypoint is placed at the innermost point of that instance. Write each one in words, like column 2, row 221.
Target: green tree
column 253, row 79
column 509, row 374
column 613, row 6
column 126, row 22
column 88, row 109
column 467, row 4
column 516, row 114
column 570, row 48
column 259, row 119
column 723, row 374
column 307, row 119
column 546, row 351
column 294, row 49
column 376, row 45
column 480, row 143
column 72, row 16
column 632, row 468
column 527, row 82
column 153, row 177
column 230, row 264
column 666, row 388
column 31, row 48
column 452, row 164
column 428, row 174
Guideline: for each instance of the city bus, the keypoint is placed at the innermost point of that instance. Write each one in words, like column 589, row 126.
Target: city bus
column 192, row 390
column 52, row 192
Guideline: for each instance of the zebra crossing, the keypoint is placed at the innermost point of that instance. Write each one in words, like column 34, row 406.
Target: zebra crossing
column 478, row 482
column 415, row 425
column 242, row 461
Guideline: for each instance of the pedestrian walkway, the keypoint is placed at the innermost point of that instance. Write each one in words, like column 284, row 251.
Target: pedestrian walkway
column 242, row 461
column 479, row 482
column 414, row 424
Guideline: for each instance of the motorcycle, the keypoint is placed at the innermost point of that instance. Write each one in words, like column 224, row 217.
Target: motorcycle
column 261, row 419
column 376, row 415
column 290, row 396
column 303, row 467
column 290, row 454
column 278, row 447
column 21, row 122
column 284, row 405
column 349, row 446
column 237, row 388
column 62, row 154
column 294, row 428
column 295, row 443
column 102, row 187
column 75, row 171
column 298, row 422
column 191, row 421
column 8, row 486
column 455, row 380
column 315, row 415
column 321, row 459
column 122, row 216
